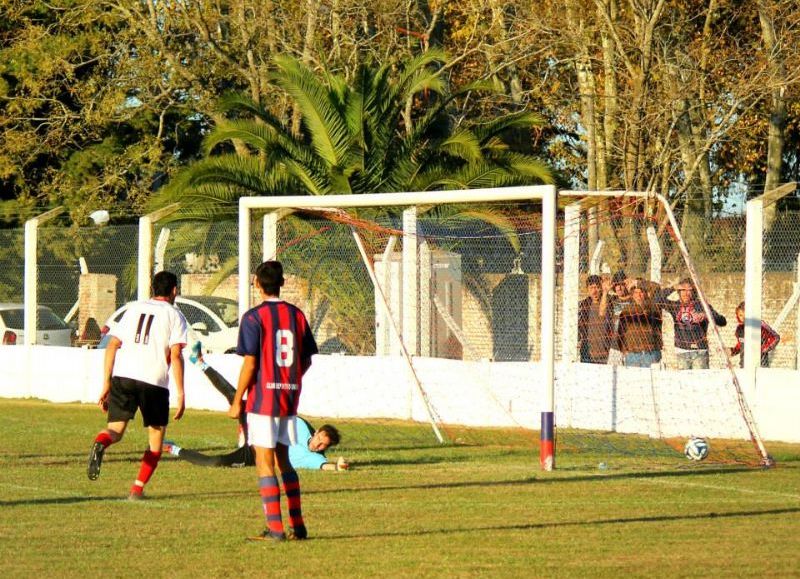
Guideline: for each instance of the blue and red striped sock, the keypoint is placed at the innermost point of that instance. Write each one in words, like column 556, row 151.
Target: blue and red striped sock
column 291, row 486
column 271, row 500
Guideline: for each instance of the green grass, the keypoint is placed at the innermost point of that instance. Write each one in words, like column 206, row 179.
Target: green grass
column 406, row 509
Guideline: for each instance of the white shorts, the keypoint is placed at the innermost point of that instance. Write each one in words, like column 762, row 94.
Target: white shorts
column 268, row 431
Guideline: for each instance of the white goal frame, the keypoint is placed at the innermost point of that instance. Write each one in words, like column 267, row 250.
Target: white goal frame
column 546, row 194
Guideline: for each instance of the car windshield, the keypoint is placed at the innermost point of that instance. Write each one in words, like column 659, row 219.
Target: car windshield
column 227, row 309
column 46, row 319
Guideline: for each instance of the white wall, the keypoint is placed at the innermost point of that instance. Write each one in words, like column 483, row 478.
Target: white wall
column 662, row 403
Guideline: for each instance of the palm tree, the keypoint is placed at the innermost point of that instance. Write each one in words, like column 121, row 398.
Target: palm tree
column 355, row 137
column 388, row 129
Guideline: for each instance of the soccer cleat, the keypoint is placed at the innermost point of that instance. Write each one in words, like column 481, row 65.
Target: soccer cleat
column 298, row 533
column 136, row 497
column 170, row 448
column 267, row 535
column 95, row 460
column 197, row 352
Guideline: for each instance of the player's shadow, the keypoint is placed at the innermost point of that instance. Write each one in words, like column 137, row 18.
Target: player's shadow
column 534, row 480
column 657, row 519
column 155, row 499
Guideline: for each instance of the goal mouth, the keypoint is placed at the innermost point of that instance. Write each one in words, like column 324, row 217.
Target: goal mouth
column 460, row 312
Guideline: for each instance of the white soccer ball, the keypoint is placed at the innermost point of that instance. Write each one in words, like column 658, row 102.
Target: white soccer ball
column 696, row 448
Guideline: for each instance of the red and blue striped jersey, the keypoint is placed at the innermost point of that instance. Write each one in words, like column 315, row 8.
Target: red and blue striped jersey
column 278, row 335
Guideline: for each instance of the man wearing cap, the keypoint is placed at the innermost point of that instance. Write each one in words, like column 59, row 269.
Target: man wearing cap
column 691, row 324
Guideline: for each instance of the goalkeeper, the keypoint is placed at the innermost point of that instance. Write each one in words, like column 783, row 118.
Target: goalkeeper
column 308, row 453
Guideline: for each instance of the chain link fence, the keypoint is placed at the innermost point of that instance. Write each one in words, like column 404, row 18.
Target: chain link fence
column 781, row 280
column 477, row 287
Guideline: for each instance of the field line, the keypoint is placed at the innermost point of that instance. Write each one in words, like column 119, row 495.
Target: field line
column 48, row 490
column 721, row 488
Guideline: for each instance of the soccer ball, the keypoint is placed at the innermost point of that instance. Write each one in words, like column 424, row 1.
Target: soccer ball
column 696, row 448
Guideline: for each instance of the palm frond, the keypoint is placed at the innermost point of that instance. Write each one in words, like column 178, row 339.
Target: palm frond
column 322, row 118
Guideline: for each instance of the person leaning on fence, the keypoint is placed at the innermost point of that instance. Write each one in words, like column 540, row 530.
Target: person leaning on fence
column 639, row 331
column 619, row 298
column 595, row 326
column 769, row 339
column 691, row 324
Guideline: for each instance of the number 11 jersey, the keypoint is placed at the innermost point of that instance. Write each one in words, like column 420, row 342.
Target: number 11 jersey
column 277, row 334
column 147, row 331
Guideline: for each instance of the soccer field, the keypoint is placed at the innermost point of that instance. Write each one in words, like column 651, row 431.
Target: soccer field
column 404, row 510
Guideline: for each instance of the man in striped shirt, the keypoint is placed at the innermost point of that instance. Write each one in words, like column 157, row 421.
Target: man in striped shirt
column 277, row 344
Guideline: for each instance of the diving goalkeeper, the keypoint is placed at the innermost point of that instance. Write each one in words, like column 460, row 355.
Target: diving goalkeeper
column 307, row 453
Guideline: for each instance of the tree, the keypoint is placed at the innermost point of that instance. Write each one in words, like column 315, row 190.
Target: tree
column 354, row 137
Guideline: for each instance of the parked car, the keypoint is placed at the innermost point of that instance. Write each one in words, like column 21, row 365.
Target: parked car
column 51, row 330
column 212, row 320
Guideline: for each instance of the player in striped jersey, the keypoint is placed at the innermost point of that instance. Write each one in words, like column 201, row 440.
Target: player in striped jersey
column 277, row 344
column 146, row 344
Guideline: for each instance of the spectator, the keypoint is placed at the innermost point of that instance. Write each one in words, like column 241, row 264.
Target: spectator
column 691, row 324
column 639, row 330
column 619, row 300
column 595, row 326
column 769, row 339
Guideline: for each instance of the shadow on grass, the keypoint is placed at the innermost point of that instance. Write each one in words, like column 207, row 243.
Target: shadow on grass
column 563, row 524
column 536, row 481
column 388, row 488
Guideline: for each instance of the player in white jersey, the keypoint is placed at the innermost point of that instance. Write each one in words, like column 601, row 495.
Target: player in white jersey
column 146, row 344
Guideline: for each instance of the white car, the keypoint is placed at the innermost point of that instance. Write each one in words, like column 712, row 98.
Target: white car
column 214, row 321
column 50, row 329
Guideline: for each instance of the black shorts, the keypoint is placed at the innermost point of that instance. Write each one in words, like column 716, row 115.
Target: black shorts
column 128, row 395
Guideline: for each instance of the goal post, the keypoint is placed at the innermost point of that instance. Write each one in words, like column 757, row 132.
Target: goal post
column 445, row 305
column 415, row 255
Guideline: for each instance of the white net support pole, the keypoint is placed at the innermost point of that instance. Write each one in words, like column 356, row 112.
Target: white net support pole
column 571, row 284
column 409, row 362
column 746, row 412
column 31, row 275
column 144, row 269
column 655, row 254
column 410, row 304
column 595, row 265
column 753, row 293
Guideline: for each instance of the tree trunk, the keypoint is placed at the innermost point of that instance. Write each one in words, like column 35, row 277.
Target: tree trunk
column 777, row 116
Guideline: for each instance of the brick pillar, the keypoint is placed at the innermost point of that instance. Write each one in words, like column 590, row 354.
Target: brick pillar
column 97, row 299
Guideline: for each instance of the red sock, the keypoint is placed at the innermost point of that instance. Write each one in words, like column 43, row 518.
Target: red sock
column 104, row 438
column 291, row 486
column 271, row 500
column 149, row 464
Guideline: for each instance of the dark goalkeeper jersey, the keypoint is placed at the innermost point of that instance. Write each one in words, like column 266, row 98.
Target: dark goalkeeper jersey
column 278, row 335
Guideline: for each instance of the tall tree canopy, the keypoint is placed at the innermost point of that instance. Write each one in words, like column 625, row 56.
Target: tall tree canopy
column 100, row 101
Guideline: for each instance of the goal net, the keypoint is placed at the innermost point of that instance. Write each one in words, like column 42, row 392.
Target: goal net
column 429, row 313
column 647, row 321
